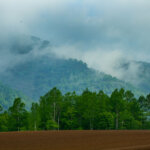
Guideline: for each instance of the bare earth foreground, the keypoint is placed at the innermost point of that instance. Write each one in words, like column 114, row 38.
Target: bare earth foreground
column 75, row 140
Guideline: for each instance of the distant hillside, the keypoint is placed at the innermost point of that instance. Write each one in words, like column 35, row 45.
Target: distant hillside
column 140, row 78
column 144, row 76
column 34, row 74
column 7, row 96
column 38, row 75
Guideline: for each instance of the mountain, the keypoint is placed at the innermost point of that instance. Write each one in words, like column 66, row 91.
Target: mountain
column 33, row 69
column 7, row 96
column 38, row 75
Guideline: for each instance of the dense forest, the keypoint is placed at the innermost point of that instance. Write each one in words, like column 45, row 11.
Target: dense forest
column 36, row 76
column 71, row 111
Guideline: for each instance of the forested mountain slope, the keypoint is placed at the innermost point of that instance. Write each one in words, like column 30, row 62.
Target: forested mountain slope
column 34, row 72
column 38, row 75
column 7, row 96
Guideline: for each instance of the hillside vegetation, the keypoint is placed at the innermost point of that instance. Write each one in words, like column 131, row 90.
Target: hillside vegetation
column 36, row 76
column 7, row 96
column 70, row 111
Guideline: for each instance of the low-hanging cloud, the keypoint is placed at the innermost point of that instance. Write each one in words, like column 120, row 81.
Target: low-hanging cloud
column 115, row 62
column 103, row 33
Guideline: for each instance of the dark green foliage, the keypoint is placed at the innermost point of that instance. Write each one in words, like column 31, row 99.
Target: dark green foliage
column 34, row 117
column 89, row 106
column 69, row 117
column 17, row 116
column 1, row 108
column 106, row 121
column 4, row 121
column 50, row 109
column 88, row 111
column 118, row 104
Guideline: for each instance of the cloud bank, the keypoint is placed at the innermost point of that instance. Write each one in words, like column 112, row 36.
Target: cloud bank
column 102, row 33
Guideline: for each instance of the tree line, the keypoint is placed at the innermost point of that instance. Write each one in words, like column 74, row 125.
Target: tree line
column 87, row 111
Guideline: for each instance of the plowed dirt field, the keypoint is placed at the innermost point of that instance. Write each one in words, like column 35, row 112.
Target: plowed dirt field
column 75, row 140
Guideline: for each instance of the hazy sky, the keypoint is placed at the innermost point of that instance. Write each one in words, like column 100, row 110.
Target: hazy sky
column 107, row 24
column 100, row 32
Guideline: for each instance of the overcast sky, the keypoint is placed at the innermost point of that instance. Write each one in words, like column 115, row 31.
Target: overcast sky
column 100, row 32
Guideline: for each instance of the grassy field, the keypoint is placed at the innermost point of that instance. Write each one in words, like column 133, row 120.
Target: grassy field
column 75, row 140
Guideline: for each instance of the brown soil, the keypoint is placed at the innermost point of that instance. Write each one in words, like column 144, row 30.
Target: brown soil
column 75, row 140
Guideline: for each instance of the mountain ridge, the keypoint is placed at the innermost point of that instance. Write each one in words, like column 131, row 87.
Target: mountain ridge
column 37, row 76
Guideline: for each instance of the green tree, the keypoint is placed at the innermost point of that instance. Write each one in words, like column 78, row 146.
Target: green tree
column 106, row 121
column 88, row 108
column 17, row 116
column 148, row 102
column 69, row 112
column 50, row 107
column 118, row 104
column 103, row 102
column 4, row 122
column 142, row 102
column 1, row 108
column 34, row 119
column 129, row 96
column 51, row 124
